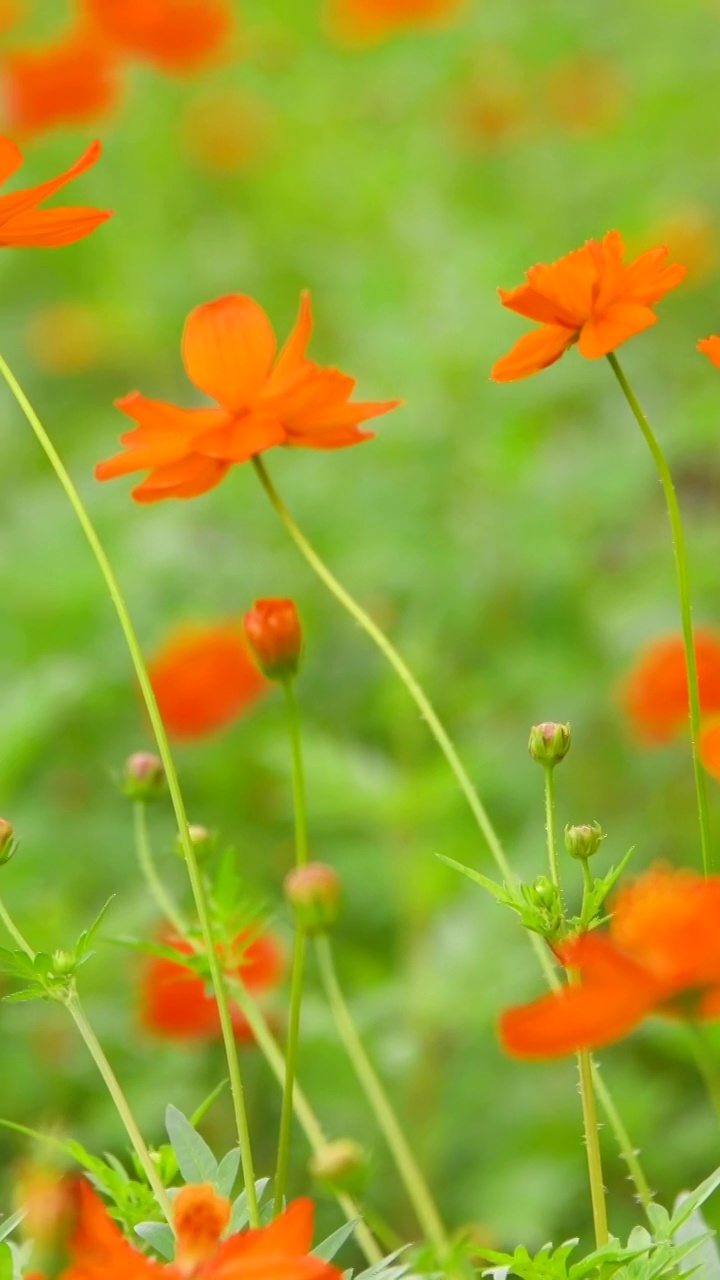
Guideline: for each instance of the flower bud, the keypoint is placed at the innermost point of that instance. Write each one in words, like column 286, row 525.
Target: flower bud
column 583, row 840
column 314, row 891
column 203, row 841
column 549, row 743
column 274, row 634
column 143, row 777
column 542, row 893
column 8, row 843
column 63, row 963
column 341, row 1166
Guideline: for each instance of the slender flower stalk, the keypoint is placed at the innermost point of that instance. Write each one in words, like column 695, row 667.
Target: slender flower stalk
column 150, row 871
column 550, row 826
column 298, row 962
column 683, row 583
column 413, row 1179
column 196, row 881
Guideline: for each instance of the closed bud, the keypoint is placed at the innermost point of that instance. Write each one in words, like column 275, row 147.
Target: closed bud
column 583, row 840
column 63, row 963
column 274, row 634
column 143, row 777
column 8, row 843
column 549, row 743
column 203, row 841
column 543, row 893
column 341, row 1166
column 314, row 892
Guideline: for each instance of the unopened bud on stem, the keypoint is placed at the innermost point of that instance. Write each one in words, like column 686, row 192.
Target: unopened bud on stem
column 202, row 840
column 274, row 634
column 143, row 777
column 549, row 743
column 341, row 1166
column 314, row 891
column 8, row 843
column 583, row 840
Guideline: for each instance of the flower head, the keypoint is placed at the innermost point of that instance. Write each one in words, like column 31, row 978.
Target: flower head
column 362, row 21
column 280, row 1251
column 655, row 693
column 204, row 678
column 274, row 633
column 590, row 297
column 661, row 955
column 24, row 225
column 72, row 81
column 263, row 400
column 175, row 1002
column 177, row 36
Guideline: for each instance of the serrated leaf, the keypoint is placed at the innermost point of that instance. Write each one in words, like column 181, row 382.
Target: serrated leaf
column 227, row 1173
column 16, row 962
column 331, row 1244
column 692, row 1200
column 27, row 993
column 87, row 937
column 196, row 1161
column 159, row 1236
column 240, row 1215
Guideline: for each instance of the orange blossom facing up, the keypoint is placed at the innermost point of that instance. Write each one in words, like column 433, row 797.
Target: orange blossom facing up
column 262, row 400
column 590, row 297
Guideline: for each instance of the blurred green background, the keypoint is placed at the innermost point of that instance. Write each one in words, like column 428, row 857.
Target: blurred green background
column 513, row 540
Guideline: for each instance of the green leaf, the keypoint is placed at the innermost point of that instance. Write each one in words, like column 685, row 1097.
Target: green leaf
column 227, row 1173
column 196, row 1161
column 200, row 1112
column 331, row 1244
column 8, row 1226
column 17, row 963
column 240, row 1215
column 692, row 1200
column 88, row 936
column 498, row 891
column 27, row 993
column 159, row 1236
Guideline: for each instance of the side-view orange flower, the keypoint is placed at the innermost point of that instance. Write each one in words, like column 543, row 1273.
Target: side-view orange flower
column 71, row 81
column 660, row 955
column 24, row 225
column 655, row 693
column 204, row 677
column 280, row 1251
column 590, row 297
column 229, row 352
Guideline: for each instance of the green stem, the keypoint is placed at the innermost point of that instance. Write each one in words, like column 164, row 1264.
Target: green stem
column 14, row 932
column 550, row 830
column 298, row 963
column 443, row 741
column 683, row 583
column 707, row 1063
column 269, row 1048
column 622, row 1137
column 196, row 882
column 592, row 1143
column 407, row 1166
column 150, row 872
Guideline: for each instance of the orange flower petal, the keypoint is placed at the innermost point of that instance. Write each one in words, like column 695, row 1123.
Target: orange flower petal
column 655, row 694
column 711, row 348
column 50, row 228
column 185, row 479
column 228, row 347
column 204, row 678
column 646, row 281
column 536, row 351
column 709, row 747
column 240, row 439
column 11, row 159
column 178, row 36
column 610, row 328
column 585, row 1017
column 70, row 82
column 291, row 363
column 667, row 921
column 19, row 201
column 98, row 1247
column 534, row 306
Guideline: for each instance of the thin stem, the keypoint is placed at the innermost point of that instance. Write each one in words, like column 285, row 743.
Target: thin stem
column 269, row 1048
column 149, row 870
column 445, row 744
column 707, row 1063
column 298, row 963
column 407, row 1166
column 592, row 1143
column 622, row 1137
column 196, row 882
column 683, row 583
column 14, row 932
column 553, row 859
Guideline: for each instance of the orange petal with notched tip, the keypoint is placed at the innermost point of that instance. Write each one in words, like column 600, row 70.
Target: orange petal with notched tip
column 533, row 352
column 710, row 347
column 291, row 364
column 228, row 347
column 19, row 201
column 164, row 434
column 618, row 322
column 185, row 479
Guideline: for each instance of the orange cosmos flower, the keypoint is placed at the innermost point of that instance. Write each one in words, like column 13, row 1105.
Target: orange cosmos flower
column 69, row 82
column 711, row 348
column 280, row 1251
column 655, row 694
column 175, row 1003
column 204, row 678
column 661, row 955
column 23, row 225
column 370, row 20
column 178, row 36
column 590, row 297
column 229, row 353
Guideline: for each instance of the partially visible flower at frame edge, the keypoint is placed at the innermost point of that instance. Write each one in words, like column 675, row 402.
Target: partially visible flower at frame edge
column 589, row 297
column 368, row 21
column 180, row 37
column 660, row 955
column 175, row 1003
column 204, row 678
column 24, row 225
column 70, row 81
column 280, row 1251
column 229, row 352
column 654, row 694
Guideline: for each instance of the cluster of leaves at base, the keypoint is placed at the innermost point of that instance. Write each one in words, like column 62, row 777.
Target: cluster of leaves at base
column 48, row 977
column 539, row 904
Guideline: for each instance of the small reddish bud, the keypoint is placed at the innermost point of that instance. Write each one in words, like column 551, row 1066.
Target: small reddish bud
column 583, row 840
column 549, row 743
column 8, row 843
column 144, row 777
column 314, row 892
column 274, row 634
column 341, row 1166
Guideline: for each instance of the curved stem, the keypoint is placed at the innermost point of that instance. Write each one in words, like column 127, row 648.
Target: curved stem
column 683, row 584
column 161, row 738
column 150, row 872
column 407, row 1166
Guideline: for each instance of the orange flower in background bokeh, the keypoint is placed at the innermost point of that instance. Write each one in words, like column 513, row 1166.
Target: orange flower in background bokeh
column 280, row 1251
column 710, row 347
column 361, row 21
column 174, row 1001
column 227, row 131
column 661, row 955
column 229, row 351
column 177, row 36
column 204, row 678
column 693, row 233
column 24, row 225
column 72, row 81
column 655, row 693
column 589, row 297
column 709, row 746
column 66, row 338
column 585, row 94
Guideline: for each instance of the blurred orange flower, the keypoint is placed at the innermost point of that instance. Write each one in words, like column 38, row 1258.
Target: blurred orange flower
column 661, row 955
column 71, row 81
column 175, row 1003
column 229, row 353
column 99, row 1250
column 23, row 225
column 370, row 20
column 693, row 233
column 204, row 678
column 66, row 337
column 710, row 347
column 585, row 94
column 178, row 36
column 227, row 131
column 655, row 693
column 709, row 746
column 590, row 297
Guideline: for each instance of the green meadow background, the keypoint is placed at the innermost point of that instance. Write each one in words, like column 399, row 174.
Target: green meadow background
column 512, row 539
